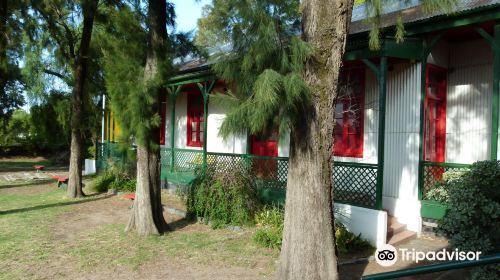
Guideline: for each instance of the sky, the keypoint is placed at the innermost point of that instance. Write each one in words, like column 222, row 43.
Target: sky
column 188, row 12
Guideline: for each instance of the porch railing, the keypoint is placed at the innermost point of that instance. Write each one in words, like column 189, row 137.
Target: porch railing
column 354, row 183
column 106, row 152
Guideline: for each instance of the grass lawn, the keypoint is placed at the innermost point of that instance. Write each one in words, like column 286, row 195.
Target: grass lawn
column 46, row 236
column 23, row 162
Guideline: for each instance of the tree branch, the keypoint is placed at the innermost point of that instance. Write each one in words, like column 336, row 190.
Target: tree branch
column 56, row 74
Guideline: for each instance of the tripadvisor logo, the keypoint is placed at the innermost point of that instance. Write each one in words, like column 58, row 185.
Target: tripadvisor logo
column 387, row 255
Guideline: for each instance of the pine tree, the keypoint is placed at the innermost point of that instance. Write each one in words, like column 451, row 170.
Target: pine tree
column 282, row 76
column 11, row 26
column 67, row 33
column 138, row 58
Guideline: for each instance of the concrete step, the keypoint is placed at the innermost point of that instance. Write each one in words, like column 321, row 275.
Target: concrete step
column 395, row 228
column 401, row 237
column 391, row 220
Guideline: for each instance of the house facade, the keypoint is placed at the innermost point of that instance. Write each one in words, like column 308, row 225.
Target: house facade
column 409, row 112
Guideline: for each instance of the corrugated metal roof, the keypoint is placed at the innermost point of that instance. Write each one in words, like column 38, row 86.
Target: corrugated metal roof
column 410, row 10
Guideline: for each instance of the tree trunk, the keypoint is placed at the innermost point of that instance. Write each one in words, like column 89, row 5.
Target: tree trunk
column 3, row 47
column 147, row 214
column 308, row 250
column 78, row 101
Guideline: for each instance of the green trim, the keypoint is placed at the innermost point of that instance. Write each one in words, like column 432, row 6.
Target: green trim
column 446, row 164
column 433, row 209
column 382, row 81
column 191, row 78
column 355, row 164
column 205, row 92
column 173, row 91
column 360, row 54
column 410, row 48
column 495, row 103
column 483, row 14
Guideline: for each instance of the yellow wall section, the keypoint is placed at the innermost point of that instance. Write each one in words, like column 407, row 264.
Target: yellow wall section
column 112, row 130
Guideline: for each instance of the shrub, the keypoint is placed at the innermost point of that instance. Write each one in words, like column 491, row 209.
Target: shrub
column 472, row 222
column 440, row 192
column 270, row 221
column 347, row 241
column 116, row 178
column 223, row 198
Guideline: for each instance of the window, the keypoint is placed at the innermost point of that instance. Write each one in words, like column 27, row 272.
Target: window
column 195, row 120
column 435, row 114
column 349, row 110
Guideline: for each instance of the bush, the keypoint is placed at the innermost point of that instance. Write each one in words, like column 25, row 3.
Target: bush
column 270, row 221
column 223, row 198
column 114, row 178
column 472, row 222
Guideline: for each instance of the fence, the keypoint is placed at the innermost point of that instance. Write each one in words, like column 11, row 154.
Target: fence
column 354, row 183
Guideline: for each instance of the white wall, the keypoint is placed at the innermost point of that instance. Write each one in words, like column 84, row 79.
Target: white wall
column 402, row 130
column 235, row 144
column 372, row 224
column 468, row 104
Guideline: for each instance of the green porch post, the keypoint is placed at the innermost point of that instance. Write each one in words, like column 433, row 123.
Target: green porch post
column 173, row 91
column 495, row 99
column 205, row 91
column 382, row 92
column 494, row 43
column 381, row 73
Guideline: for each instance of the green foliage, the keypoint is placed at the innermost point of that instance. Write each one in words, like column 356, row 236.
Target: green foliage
column 347, row 241
column 134, row 98
column 17, row 131
column 440, row 192
column 264, row 66
column 270, row 223
column 223, row 198
column 474, row 212
column 117, row 177
column 51, row 120
column 375, row 11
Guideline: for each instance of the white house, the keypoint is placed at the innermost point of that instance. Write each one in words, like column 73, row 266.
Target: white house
column 415, row 110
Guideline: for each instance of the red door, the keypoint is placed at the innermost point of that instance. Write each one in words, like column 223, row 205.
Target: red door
column 265, row 146
column 435, row 119
column 435, row 115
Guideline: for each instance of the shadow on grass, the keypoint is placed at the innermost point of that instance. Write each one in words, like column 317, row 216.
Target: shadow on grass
column 44, row 206
column 31, row 183
column 180, row 224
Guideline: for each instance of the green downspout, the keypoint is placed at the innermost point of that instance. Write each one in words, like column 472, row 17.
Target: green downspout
column 173, row 91
column 423, row 82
